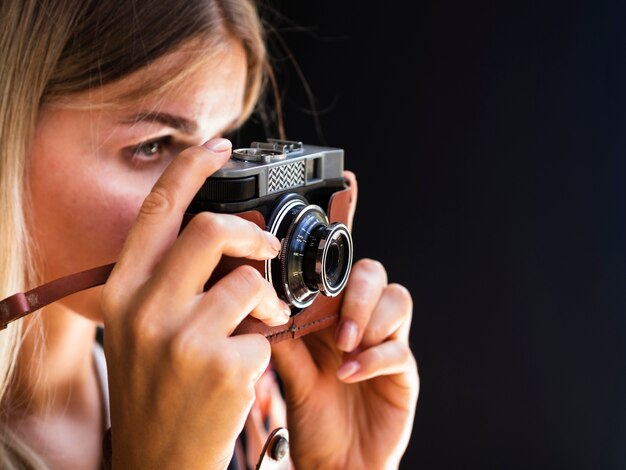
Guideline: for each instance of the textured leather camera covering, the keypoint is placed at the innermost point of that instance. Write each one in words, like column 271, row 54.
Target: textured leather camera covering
column 323, row 312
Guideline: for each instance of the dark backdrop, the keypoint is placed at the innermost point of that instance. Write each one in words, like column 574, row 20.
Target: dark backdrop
column 488, row 141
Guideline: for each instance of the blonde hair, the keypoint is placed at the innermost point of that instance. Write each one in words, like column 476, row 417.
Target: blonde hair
column 52, row 49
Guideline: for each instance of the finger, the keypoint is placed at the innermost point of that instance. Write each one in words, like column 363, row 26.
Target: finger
column 199, row 248
column 364, row 288
column 391, row 318
column 254, row 351
column 389, row 358
column 241, row 292
column 271, row 310
column 351, row 178
column 296, row 368
column 237, row 360
column 160, row 216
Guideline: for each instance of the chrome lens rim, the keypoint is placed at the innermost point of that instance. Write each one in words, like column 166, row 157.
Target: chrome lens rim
column 330, row 237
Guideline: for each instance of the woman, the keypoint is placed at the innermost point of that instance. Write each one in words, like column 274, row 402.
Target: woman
column 111, row 116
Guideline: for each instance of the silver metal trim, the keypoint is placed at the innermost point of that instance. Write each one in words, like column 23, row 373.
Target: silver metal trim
column 285, row 146
column 275, row 454
column 273, row 229
column 258, row 155
column 310, row 297
column 320, row 258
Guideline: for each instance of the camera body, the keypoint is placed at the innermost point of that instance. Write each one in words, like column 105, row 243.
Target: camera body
column 299, row 193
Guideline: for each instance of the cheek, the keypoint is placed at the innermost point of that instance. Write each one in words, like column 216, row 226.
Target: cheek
column 81, row 218
column 88, row 230
column 107, row 221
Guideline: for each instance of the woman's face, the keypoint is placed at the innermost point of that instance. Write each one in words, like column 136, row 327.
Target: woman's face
column 91, row 166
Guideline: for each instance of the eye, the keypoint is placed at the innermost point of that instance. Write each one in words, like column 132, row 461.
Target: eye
column 152, row 149
column 149, row 148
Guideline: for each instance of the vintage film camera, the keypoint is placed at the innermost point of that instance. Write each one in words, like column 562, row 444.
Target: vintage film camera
column 298, row 193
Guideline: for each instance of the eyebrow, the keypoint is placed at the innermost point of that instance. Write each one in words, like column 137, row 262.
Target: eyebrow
column 170, row 120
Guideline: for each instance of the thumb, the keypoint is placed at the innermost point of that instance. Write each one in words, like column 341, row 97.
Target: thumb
column 296, row 368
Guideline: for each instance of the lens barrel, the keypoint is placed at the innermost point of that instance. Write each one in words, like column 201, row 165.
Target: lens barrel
column 327, row 258
column 315, row 256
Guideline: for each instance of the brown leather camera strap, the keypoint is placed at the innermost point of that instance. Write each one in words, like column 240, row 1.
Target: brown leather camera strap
column 23, row 303
column 318, row 316
column 321, row 314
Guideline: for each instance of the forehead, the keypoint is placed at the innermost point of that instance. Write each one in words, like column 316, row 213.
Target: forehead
column 194, row 81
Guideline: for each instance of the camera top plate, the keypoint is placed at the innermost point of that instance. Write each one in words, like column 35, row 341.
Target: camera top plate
column 278, row 165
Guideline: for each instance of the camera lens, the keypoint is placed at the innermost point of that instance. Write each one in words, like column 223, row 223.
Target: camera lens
column 328, row 258
column 315, row 257
column 335, row 264
column 332, row 263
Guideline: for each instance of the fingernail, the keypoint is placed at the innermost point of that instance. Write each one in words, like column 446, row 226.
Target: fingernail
column 346, row 336
column 218, row 145
column 347, row 369
column 273, row 241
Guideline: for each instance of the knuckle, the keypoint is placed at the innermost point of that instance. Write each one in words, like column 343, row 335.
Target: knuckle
column 189, row 350
column 208, row 225
column 400, row 295
column 262, row 353
column 376, row 332
column 248, row 276
column 223, row 365
column 411, row 365
column 415, row 367
column 253, row 349
column 260, row 235
column 376, row 356
column 159, row 201
column 110, row 301
column 405, row 354
column 412, row 361
column 192, row 156
column 263, row 350
column 186, row 349
column 371, row 267
column 254, row 237
column 146, row 331
column 357, row 303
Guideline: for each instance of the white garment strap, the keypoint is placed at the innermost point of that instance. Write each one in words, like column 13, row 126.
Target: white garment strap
column 101, row 372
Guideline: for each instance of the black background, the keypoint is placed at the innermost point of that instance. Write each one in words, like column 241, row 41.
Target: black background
column 488, row 142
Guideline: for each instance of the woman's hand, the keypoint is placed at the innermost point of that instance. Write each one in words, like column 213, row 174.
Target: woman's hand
column 351, row 395
column 180, row 386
